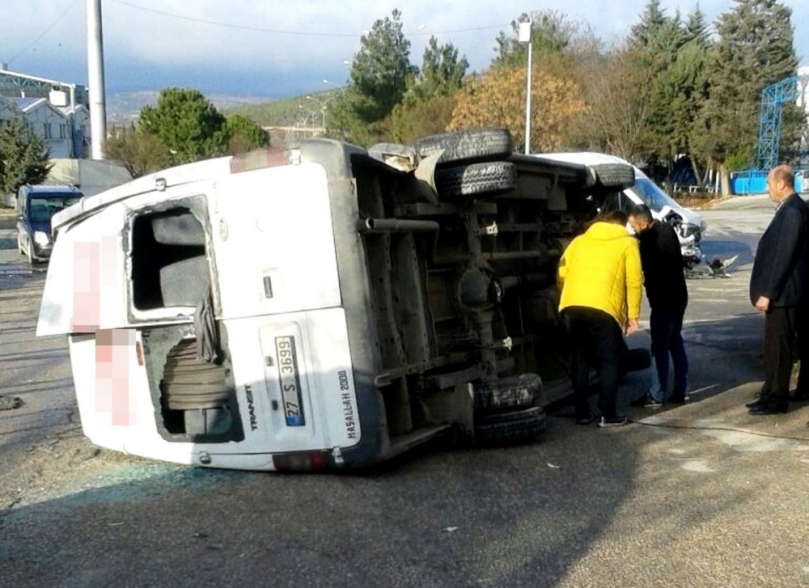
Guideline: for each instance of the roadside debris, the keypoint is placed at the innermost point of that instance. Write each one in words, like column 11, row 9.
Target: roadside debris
column 716, row 268
column 10, row 402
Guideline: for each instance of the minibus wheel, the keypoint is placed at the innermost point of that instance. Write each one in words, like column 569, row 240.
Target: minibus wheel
column 511, row 428
column 475, row 179
column 508, row 393
column 467, row 145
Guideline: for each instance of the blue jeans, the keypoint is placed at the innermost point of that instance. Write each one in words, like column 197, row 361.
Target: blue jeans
column 655, row 390
column 666, row 325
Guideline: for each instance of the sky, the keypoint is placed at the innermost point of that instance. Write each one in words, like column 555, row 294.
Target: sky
column 274, row 48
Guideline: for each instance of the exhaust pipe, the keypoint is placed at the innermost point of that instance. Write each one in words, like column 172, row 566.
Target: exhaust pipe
column 395, row 225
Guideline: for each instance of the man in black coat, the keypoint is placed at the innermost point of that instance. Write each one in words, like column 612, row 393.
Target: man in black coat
column 664, row 279
column 778, row 287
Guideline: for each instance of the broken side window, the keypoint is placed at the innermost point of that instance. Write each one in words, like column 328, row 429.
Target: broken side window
column 169, row 265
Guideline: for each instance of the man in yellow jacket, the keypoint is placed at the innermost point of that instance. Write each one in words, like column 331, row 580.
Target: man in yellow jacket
column 601, row 283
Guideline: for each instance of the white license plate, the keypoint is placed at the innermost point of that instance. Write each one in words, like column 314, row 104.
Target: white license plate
column 290, row 381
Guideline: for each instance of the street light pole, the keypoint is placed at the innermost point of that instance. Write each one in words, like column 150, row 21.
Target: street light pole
column 525, row 37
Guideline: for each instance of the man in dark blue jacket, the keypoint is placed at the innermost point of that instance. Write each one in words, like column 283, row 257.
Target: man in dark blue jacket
column 778, row 287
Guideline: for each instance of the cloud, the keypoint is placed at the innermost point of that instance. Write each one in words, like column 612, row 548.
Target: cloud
column 304, row 41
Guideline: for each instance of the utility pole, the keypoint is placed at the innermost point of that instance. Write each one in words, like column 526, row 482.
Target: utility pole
column 95, row 74
column 525, row 37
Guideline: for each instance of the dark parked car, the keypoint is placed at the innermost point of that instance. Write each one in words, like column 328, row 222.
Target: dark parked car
column 35, row 207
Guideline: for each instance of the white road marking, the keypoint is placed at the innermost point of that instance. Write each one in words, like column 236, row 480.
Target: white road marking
column 740, row 288
column 697, row 465
column 703, row 389
column 750, row 442
column 722, row 300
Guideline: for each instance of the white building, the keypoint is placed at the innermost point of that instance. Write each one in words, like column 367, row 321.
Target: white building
column 55, row 111
column 49, row 124
column 79, row 120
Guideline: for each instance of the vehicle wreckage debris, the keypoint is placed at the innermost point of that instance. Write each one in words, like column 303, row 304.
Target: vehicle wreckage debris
column 10, row 402
column 716, row 268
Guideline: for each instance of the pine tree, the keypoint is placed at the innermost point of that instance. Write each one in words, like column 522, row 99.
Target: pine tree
column 381, row 70
column 189, row 126
column 755, row 49
column 657, row 41
column 23, row 157
column 696, row 28
column 651, row 21
column 427, row 106
column 442, row 71
column 380, row 75
column 244, row 134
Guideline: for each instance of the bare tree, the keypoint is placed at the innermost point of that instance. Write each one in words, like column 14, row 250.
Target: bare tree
column 617, row 92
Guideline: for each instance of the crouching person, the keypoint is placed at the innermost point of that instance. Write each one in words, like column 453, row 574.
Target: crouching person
column 601, row 282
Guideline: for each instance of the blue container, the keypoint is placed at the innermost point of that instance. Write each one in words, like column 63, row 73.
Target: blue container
column 754, row 181
column 750, row 181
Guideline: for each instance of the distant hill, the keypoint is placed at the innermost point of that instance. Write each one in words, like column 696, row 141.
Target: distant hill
column 125, row 107
column 285, row 111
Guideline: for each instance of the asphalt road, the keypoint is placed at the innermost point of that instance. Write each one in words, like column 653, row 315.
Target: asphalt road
column 698, row 495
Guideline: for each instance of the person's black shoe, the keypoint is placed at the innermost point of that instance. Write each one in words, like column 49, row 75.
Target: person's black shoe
column 755, row 403
column 585, row 420
column 617, row 420
column 678, row 399
column 770, row 408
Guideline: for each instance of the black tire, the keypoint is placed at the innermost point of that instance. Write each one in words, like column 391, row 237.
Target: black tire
column 515, row 392
column 511, row 428
column 477, row 178
column 615, row 175
column 467, row 145
column 188, row 384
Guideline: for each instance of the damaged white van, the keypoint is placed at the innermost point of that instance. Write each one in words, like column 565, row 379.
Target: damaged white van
column 318, row 307
column 687, row 223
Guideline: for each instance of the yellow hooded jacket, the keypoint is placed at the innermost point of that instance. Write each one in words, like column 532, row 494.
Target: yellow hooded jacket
column 601, row 269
